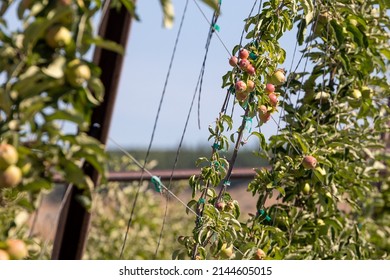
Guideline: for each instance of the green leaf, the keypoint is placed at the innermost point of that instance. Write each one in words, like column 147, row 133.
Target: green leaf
column 212, row 3
column 106, row 44
column 169, row 13
column 68, row 115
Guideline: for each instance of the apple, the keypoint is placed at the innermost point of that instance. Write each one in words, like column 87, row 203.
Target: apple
column 357, row 94
column 243, row 54
column 233, row 61
column 264, row 115
column 260, row 254
column 250, row 86
column 244, row 63
column 273, row 99
column 10, row 177
column 58, row 36
column 251, row 70
column 226, row 251
column 240, row 86
column 8, row 155
column 242, row 96
column 306, row 189
column 16, row 249
column 269, row 88
column 309, row 162
column 221, row 205
column 4, row 255
column 278, row 77
column 77, row 73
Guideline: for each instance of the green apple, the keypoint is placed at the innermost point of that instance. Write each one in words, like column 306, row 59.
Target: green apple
column 77, row 73
column 58, row 36
column 10, row 177
column 8, row 155
column 306, row 188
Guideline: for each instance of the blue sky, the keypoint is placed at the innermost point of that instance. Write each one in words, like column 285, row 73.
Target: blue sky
column 146, row 63
column 145, row 67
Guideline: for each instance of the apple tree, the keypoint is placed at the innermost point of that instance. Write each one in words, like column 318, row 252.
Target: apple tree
column 328, row 164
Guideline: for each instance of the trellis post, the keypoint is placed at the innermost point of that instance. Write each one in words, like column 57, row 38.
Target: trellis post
column 74, row 220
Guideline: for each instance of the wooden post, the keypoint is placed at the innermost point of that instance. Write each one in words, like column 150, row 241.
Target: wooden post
column 74, row 220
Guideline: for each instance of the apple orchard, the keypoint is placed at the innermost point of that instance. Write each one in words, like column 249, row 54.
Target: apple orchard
column 328, row 165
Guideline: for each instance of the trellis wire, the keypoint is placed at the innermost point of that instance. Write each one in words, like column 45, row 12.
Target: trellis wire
column 141, row 166
column 154, row 127
column 198, row 85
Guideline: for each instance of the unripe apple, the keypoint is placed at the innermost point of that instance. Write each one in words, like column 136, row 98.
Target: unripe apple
column 278, row 77
column 357, row 94
column 243, row 54
column 250, row 86
column 233, row 61
column 10, row 177
column 273, row 99
column 77, row 73
column 251, row 70
column 244, row 63
column 309, row 162
column 226, row 252
column 240, row 86
column 8, row 155
column 4, row 256
column 306, row 189
column 269, row 88
column 16, row 249
column 58, row 36
column 260, row 255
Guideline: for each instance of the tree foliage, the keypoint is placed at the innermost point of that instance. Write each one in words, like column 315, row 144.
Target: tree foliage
column 335, row 112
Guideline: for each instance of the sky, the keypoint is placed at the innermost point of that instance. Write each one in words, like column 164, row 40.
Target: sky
column 145, row 68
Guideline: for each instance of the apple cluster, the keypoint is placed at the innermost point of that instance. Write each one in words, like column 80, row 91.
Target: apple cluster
column 59, row 37
column 268, row 102
column 10, row 174
column 13, row 249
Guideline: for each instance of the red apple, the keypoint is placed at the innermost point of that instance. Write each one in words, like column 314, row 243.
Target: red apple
column 309, row 162
column 233, row 61
column 243, row 54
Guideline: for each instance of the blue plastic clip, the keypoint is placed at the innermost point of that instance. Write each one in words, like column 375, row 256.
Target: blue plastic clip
column 157, row 183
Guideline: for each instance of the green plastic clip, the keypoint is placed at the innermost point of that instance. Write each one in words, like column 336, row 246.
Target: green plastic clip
column 216, row 27
column 157, row 183
column 201, row 201
column 252, row 56
column 227, row 183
